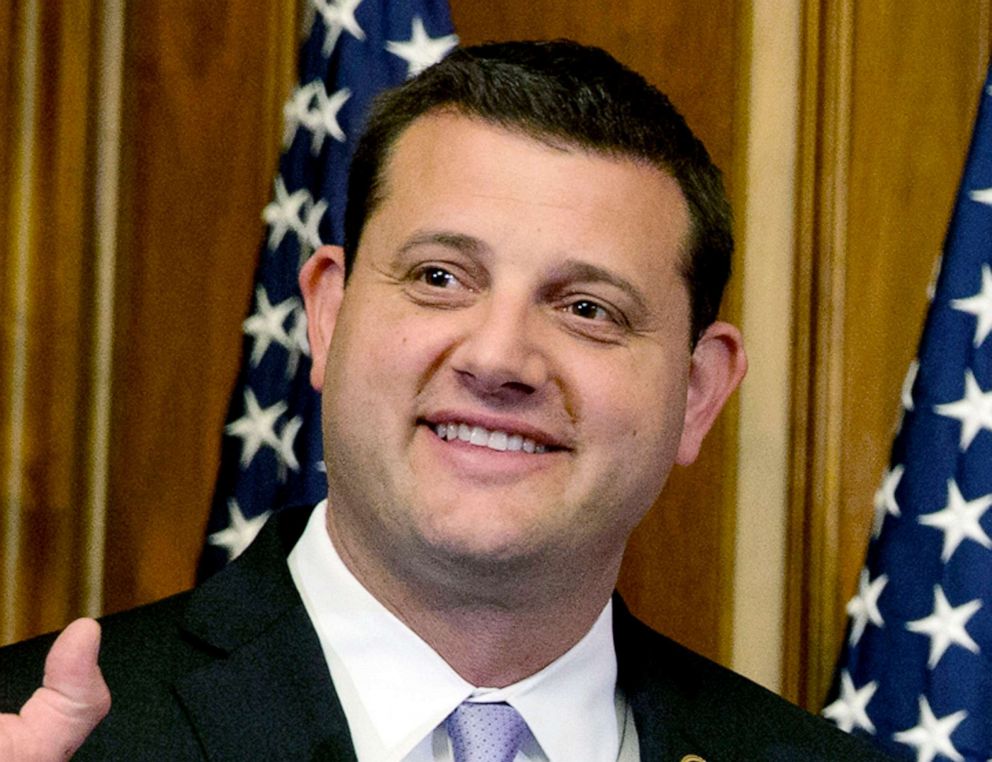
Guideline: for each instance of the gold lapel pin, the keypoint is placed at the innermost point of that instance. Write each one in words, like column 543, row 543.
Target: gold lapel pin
column 692, row 758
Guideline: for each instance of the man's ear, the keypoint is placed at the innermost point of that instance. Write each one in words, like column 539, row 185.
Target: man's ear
column 717, row 367
column 322, row 285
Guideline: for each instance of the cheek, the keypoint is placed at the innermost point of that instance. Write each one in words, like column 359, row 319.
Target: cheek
column 639, row 400
column 382, row 365
column 636, row 419
column 367, row 343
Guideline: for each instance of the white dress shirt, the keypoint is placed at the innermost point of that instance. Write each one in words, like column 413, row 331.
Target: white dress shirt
column 396, row 691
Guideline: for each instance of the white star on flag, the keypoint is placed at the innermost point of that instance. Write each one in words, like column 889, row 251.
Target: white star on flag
column 422, row 50
column 849, row 711
column 310, row 234
column 268, row 324
column 240, row 532
column 299, row 345
column 946, row 626
column 979, row 305
column 959, row 520
column 982, row 196
column 974, row 410
column 284, row 446
column 932, row 736
column 339, row 16
column 256, row 427
column 283, row 213
column 907, row 385
column 885, row 497
column 863, row 607
column 906, row 395
column 322, row 120
column 296, row 111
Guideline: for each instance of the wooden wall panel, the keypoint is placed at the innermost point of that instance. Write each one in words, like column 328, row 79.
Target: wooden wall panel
column 204, row 93
column 8, row 133
column 10, row 52
column 204, row 87
column 57, row 366
column 42, row 458
column 891, row 94
column 678, row 571
column 9, row 17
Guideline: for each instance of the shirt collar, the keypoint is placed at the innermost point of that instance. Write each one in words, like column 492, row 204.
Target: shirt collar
column 395, row 689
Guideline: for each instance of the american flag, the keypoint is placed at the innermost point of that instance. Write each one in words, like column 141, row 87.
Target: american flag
column 271, row 455
column 916, row 675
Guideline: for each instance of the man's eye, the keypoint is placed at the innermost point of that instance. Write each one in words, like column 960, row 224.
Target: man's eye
column 589, row 310
column 438, row 277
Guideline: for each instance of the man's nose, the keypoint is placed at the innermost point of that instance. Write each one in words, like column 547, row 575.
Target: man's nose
column 500, row 354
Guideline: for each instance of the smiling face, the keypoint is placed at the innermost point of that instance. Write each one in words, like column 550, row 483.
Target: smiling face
column 509, row 375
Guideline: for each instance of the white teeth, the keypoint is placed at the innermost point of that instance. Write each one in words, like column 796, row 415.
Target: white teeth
column 494, row 440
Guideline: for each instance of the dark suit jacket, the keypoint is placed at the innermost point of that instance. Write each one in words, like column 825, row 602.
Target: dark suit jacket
column 233, row 670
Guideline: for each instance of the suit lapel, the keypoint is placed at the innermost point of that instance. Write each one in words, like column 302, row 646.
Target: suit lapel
column 268, row 693
column 661, row 709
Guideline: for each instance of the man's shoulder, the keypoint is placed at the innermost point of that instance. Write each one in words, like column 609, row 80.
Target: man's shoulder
column 141, row 652
column 207, row 652
column 718, row 713
column 143, row 636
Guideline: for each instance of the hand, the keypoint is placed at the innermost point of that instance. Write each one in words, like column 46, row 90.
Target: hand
column 71, row 702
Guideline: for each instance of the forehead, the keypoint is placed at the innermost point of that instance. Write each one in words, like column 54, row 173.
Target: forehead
column 470, row 176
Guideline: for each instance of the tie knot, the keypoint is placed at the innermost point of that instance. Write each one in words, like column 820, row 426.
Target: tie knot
column 483, row 732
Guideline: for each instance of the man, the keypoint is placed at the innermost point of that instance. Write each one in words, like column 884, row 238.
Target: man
column 515, row 345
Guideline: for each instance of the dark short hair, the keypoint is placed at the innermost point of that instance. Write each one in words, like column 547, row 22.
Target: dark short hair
column 563, row 93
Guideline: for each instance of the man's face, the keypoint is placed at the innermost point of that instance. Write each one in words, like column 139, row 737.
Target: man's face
column 510, row 367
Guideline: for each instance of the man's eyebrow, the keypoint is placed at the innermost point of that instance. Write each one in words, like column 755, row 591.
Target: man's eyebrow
column 466, row 244
column 585, row 272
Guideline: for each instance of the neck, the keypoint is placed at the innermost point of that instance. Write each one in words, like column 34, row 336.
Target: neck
column 495, row 624
column 494, row 649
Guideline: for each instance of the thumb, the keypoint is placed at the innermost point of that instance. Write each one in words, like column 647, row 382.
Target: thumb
column 73, row 697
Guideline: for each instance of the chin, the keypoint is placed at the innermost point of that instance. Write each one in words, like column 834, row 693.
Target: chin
column 479, row 546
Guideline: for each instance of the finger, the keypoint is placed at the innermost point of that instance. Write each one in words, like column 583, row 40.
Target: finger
column 71, row 667
column 74, row 697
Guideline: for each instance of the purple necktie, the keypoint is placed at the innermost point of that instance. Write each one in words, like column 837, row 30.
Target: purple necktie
column 483, row 732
